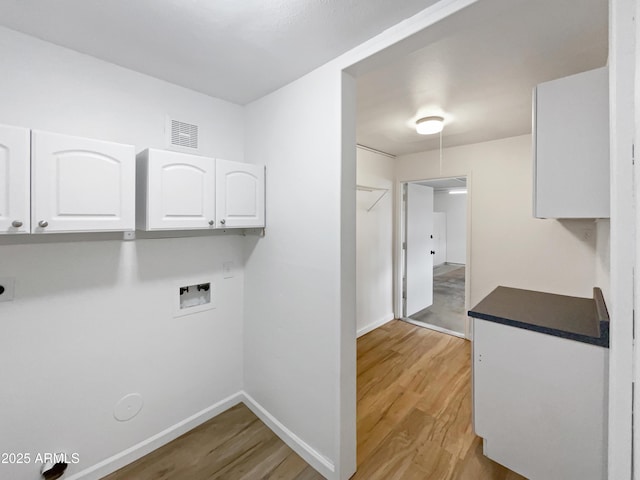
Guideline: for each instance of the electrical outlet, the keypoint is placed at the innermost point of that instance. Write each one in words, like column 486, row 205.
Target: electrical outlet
column 7, row 288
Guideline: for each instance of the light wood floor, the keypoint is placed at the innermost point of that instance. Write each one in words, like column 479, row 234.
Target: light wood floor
column 235, row 445
column 414, row 408
column 414, row 422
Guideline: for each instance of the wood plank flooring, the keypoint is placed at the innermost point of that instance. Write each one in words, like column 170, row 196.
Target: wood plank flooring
column 414, row 408
column 413, row 420
column 235, row 445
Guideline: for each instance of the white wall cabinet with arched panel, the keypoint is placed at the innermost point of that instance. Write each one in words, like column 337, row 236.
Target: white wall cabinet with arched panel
column 14, row 180
column 59, row 183
column 81, row 185
column 175, row 191
column 240, row 195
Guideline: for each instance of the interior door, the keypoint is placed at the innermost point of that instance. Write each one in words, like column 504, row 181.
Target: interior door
column 439, row 238
column 419, row 248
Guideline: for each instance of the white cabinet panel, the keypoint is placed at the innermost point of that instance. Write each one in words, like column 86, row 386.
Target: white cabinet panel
column 14, row 180
column 175, row 191
column 571, row 142
column 540, row 402
column 239, row 194
column 81, row 185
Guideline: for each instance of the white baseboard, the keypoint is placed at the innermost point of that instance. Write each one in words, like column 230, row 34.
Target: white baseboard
column 318, row 461
column 115, row 462
column 129, row 455
column 372, row 326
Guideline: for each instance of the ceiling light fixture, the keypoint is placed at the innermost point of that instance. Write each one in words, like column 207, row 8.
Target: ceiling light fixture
column 457, row 192
column 429, row 125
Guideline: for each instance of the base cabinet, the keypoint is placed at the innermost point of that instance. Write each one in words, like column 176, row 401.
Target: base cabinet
column 540, row 402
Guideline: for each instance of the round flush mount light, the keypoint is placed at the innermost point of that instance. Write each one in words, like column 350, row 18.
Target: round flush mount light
column 429, row 125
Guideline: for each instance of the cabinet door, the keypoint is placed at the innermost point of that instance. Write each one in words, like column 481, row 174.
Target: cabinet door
column 540, row 402
column 179, row 190
column 14, row 180
column 571, row 141
column 81, row 185
column 239, row 194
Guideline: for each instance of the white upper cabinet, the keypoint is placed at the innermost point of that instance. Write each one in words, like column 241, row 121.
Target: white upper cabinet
column 239, row 194
column 175, row 191
column 81, row 185
column 571, row 145
column 14, row 180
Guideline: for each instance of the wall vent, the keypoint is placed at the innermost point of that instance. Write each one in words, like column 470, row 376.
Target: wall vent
column 182, row 135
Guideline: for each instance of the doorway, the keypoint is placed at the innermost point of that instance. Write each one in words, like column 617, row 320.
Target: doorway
column 434, row 254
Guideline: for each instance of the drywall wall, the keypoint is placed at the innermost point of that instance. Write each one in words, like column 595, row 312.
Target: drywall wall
column 92, row 317
column 508, row 246
column 603, row 257
column 455, row 208
column 374, row 241
column 293, row 274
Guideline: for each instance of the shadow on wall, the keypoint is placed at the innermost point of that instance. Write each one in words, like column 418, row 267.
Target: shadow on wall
column 62, row 267
column 167, row 258
column 582, row 230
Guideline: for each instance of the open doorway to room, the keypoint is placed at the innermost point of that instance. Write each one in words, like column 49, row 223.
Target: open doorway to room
column 474, row 70
column 434, row 254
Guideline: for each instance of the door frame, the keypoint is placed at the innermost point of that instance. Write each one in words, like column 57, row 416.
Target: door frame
column 398, row 238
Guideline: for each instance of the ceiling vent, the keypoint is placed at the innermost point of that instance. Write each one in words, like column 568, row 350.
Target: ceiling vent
column 182, row 135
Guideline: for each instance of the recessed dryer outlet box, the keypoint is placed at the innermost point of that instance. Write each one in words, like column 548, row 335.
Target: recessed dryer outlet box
column 7, row 288
column 194, row 298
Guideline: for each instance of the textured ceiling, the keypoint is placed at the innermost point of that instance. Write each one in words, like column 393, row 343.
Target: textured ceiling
column 477, row 68
column 238, row 50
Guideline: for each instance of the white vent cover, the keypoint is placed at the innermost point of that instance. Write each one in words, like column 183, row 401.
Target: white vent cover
column 182, row 135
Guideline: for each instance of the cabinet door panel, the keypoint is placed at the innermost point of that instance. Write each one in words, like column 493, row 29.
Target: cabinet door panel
column 539, row 402
column 88, row 184
column 571, row 145
column 81, row 185
column 180, row 191
column 14, row 180
column 239, row 194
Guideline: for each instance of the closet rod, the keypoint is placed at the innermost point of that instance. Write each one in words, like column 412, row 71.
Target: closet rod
column 365, row 188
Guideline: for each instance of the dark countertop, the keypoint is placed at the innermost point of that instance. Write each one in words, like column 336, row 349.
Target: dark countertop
column 581, row 319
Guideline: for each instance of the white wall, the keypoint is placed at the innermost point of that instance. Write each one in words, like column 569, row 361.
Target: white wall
column 508, row 246
column 92, row 320
column 603, row 258
column 293, row 313
column 374, row 242
column 455, row 207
